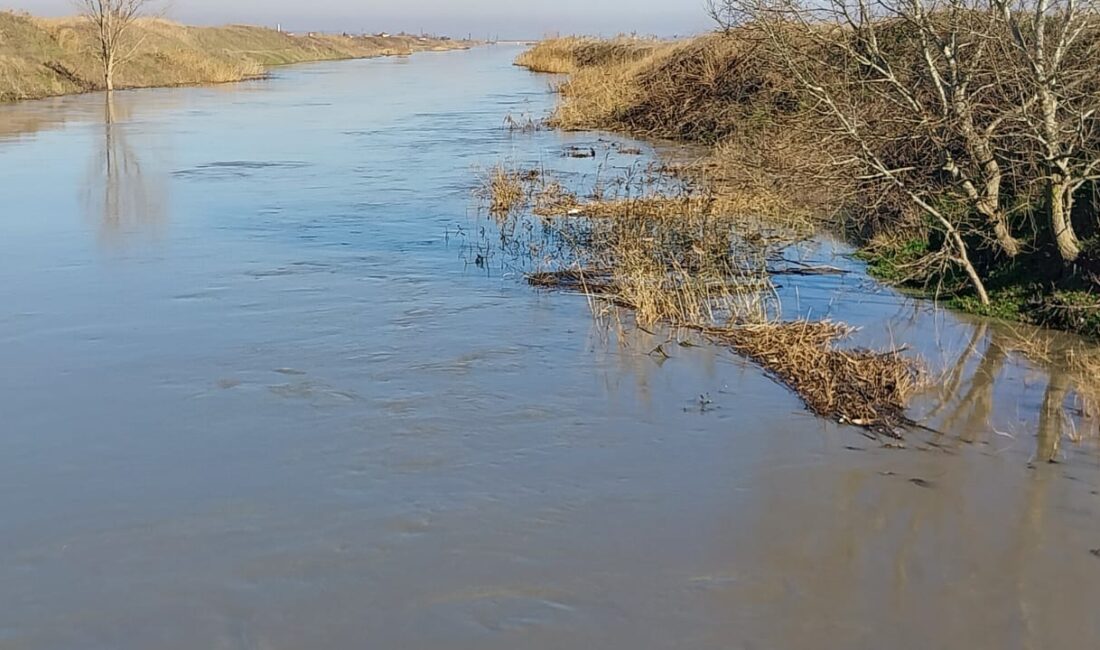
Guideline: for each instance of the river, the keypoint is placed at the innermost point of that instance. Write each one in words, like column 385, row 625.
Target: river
column 260, row 389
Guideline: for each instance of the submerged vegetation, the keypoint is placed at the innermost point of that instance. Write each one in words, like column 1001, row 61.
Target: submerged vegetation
column 47, row 57
column 677, row 256
column 957, row 145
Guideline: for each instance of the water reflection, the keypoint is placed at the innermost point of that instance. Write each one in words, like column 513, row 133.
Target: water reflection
column 968, row 400
column 299, row 421
column 121, row 195
column 1017, row 383
column 996, row 385
column 22, row 120
column 965, row 534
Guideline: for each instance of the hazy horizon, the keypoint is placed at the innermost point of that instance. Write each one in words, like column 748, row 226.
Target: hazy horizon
column 480, row 18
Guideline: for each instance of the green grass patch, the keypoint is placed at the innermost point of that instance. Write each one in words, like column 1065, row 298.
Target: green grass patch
column 891, row 264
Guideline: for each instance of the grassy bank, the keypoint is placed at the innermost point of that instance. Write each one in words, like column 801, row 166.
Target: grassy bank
column 772, row 145
column 48, row 57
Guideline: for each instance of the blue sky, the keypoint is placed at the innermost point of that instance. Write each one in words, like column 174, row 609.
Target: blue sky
column 506, row 18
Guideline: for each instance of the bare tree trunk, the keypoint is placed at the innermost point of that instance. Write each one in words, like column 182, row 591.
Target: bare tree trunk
column 987, row 199
column 1057, row 45
column 988, row 203
column 1060, row 204
column 963, row 259
column 109, row 75
column 1009, row 244
column 1059, row 184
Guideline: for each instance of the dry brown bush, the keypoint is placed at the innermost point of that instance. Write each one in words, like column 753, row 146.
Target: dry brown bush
column 572, row 53
column 860, row 387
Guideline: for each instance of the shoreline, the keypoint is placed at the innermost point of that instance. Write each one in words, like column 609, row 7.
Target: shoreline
column 49, row 57
column 625, row 86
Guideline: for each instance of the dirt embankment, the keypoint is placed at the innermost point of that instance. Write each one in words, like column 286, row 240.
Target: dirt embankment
column 48, row 57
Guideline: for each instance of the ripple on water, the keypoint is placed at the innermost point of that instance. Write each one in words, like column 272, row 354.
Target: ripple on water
column 236, row 169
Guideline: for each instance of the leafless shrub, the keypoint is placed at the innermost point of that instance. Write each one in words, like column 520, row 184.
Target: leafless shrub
column 1050, row 49
column 113, row 21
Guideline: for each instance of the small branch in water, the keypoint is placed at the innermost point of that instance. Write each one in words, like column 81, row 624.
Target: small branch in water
column 809, row 270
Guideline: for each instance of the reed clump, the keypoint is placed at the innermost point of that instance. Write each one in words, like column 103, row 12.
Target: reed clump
column 572, row 53
column 758, row 214
column 690, row 259
column 861, row 387
column 505, row 190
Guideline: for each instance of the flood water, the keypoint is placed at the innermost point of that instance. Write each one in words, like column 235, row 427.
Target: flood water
column 260, row 388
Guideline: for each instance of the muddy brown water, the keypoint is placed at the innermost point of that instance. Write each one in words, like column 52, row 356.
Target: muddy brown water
column 257, row 390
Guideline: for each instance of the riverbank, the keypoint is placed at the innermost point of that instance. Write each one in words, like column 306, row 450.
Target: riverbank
column 50, row 57
column 279, row 283
column 765, row 143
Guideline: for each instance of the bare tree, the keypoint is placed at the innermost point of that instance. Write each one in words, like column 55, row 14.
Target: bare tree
column 905, row 86
column 723, row 12
column 1056, row 44
column 113, row 21
column 999, row 97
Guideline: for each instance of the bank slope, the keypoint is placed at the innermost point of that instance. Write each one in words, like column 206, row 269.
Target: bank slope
column 48, row 57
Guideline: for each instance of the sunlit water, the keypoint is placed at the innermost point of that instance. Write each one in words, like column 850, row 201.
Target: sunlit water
column 258, row 391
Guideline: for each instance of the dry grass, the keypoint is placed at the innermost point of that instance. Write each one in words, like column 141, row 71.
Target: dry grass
column 602, row 76
column 763, row 157
column 757, row 213
column 761, row 140
column 573, row 53
column 47, row 57
column 694, row 260
column 505, row 190
column 669, row 256
column 704, row 89
column 860, row 387
column 553, row 56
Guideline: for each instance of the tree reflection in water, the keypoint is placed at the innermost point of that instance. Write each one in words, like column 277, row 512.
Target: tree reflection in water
column 121, row 196
column 976, row 395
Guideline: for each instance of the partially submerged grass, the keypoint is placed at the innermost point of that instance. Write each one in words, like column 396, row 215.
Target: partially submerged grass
column 769, row 176
column 504, row 191
column 861, row 387
column 691, row 259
